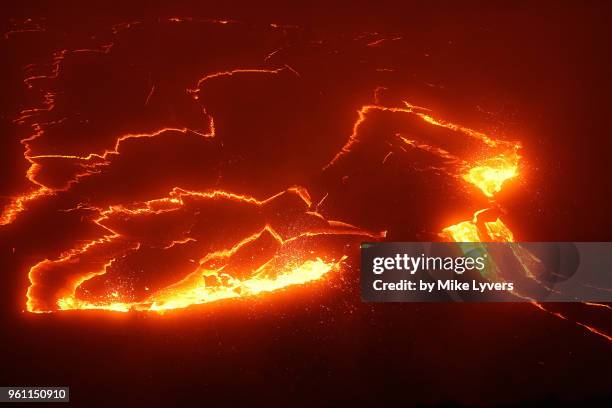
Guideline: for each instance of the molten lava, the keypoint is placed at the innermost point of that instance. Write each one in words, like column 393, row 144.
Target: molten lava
column 270, row 258
column 205, row 243
column 490, row 174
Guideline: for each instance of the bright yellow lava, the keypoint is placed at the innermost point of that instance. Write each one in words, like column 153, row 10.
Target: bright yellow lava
column 490, row 174
column 194, row 289
column 465, row 231
column 469, row 231
column 498, row 231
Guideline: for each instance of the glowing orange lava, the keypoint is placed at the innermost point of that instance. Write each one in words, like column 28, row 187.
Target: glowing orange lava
column 490, row 174
column 279, row 246
column 216, row 275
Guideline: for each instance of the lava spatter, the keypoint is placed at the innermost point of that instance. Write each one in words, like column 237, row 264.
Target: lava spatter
column 294, row 253
column 501, row 158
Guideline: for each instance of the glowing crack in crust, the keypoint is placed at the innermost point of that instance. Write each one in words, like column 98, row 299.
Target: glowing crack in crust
column 500, row 164
column 91, row 161
column 295, row 253
column 18, row 203
column 68, row 281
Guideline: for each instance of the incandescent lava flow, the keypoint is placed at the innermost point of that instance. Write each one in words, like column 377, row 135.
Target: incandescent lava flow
column 166, row 172
column 268, row 253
